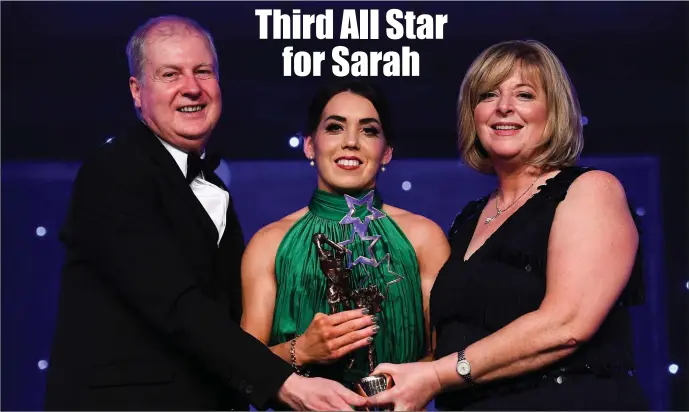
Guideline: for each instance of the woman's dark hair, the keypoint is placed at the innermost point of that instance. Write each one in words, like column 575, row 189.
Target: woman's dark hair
column 366, row 90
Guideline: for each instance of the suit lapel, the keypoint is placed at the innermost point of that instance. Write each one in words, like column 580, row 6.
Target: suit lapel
column 227, row 276
column 177, row 183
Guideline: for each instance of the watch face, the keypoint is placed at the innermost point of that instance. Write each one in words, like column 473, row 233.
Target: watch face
column 463, row 367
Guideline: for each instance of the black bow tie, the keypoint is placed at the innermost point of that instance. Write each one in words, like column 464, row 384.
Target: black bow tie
column 196, row 166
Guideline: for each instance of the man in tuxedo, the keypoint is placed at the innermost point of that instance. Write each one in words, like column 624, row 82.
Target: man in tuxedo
column 150, row 299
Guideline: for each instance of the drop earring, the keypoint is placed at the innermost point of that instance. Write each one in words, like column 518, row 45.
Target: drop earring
column 382, row 168
column 311, row 163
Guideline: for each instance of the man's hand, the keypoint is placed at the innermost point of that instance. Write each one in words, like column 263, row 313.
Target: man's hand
column 317, row 394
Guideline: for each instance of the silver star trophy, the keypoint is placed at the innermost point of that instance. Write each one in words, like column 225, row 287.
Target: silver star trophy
column 369, row 297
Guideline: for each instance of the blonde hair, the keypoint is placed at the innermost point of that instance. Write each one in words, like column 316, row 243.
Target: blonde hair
column 562, row 140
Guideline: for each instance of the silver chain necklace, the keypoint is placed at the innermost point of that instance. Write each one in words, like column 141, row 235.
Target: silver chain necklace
column 497, row 209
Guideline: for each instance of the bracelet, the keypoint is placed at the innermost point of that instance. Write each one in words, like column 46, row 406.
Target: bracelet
column 293, row 358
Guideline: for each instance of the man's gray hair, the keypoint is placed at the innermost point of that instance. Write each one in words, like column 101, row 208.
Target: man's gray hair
column 168, row 25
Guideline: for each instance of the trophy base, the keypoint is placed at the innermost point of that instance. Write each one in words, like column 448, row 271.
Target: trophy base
column 372, row 385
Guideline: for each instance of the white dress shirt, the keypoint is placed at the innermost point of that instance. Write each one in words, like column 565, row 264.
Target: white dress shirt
column 214, row 199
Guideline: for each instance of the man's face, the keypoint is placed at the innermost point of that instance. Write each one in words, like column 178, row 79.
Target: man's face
column 179, row 97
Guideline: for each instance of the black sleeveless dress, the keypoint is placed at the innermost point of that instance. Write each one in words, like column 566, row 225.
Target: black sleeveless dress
column 504, row 280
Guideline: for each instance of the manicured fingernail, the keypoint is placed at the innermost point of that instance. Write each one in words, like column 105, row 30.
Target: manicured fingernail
column 376, row 328
column 365, row 311
column 370, row 339
column 374, row 318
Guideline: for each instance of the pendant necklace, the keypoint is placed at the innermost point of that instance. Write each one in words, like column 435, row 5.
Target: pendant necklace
column 498, row 210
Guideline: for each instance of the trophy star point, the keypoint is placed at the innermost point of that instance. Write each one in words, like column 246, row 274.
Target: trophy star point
column 398, row 277
column 361, row 225
column 362, row 259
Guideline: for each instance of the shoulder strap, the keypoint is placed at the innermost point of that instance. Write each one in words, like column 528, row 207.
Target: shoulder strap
column 557, row 187
column 470, row 211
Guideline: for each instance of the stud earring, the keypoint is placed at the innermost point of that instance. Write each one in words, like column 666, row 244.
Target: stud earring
column 382, row 168
column 311, row 163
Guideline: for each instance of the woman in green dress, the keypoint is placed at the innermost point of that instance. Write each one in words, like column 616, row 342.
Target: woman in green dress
column 391, row 253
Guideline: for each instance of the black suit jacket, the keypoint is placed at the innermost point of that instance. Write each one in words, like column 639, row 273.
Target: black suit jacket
column 149, row 304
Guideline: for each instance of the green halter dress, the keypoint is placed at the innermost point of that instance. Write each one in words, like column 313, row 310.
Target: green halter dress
column 301, row 285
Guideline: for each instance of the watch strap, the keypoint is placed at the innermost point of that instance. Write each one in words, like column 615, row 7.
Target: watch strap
column 467, row 377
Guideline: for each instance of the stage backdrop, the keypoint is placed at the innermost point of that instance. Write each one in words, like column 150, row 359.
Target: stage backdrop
column 35, row 199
